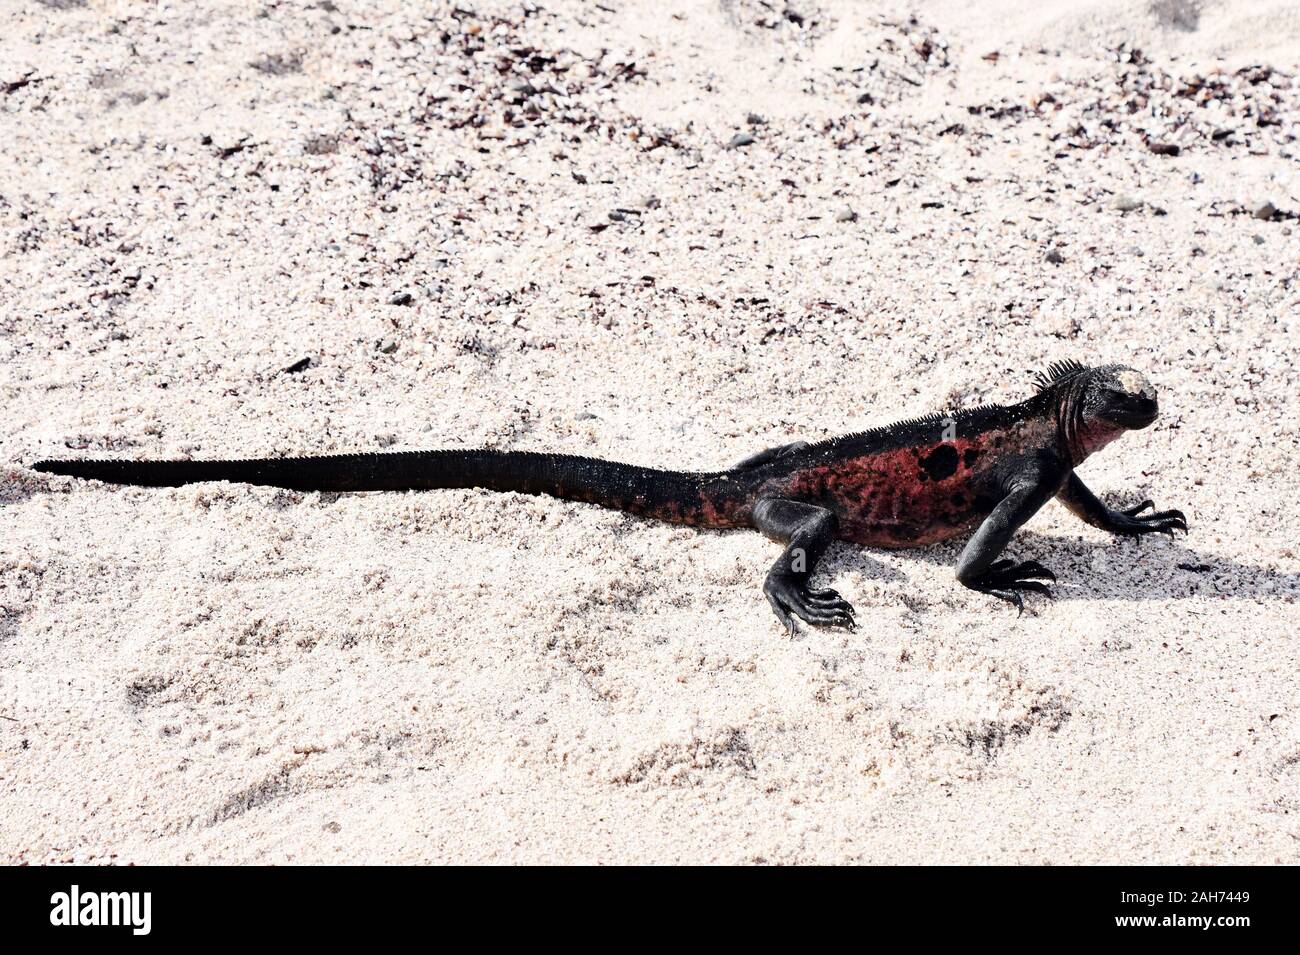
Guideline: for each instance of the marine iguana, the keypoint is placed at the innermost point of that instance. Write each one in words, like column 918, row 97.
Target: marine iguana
column 908, row 484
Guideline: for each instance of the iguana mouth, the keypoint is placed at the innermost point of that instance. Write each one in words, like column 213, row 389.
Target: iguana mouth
column 1134, row 411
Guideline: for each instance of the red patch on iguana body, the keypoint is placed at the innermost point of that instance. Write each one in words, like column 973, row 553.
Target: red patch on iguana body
column 904, row 497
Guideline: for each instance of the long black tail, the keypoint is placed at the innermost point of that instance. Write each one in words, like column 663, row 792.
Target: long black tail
column 678, row 496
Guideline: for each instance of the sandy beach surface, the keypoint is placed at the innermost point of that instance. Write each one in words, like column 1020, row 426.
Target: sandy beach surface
column 669, row 233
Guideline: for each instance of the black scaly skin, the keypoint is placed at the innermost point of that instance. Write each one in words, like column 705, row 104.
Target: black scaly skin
column 626, row 487
column 909, row 484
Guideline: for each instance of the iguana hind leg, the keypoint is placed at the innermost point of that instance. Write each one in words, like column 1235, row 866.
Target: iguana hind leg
column 806, row 530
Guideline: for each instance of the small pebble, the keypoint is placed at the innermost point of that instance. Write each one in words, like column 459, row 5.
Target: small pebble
column 402, row 298
column 846, row 215
column 1124, row 203
column 1265, row 211
column 740, row 139
column 1055, row 257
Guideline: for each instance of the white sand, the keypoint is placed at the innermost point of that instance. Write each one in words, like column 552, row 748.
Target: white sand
column 224, row 673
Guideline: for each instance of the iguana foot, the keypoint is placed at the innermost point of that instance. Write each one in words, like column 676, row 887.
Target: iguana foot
column 791, row 597
column 1005, row 579
column 1129, row 523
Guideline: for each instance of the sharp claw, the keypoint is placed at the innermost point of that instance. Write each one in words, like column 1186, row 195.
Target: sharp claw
column 792, row 600
column 1155, row 522
column 821, row 617
column 822, row 612
column 1035, row 586
column 1032, row 568
column 782, row 614
column 830, row 600
column 1011, row 597
column 1027, row 577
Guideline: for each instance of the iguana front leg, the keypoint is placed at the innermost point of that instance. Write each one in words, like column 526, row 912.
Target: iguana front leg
column 1130, row 522
column 978, row 568
column 807, row 530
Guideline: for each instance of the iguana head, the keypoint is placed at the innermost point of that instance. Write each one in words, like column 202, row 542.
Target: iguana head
column 1094, row 406
column 1119, row 396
